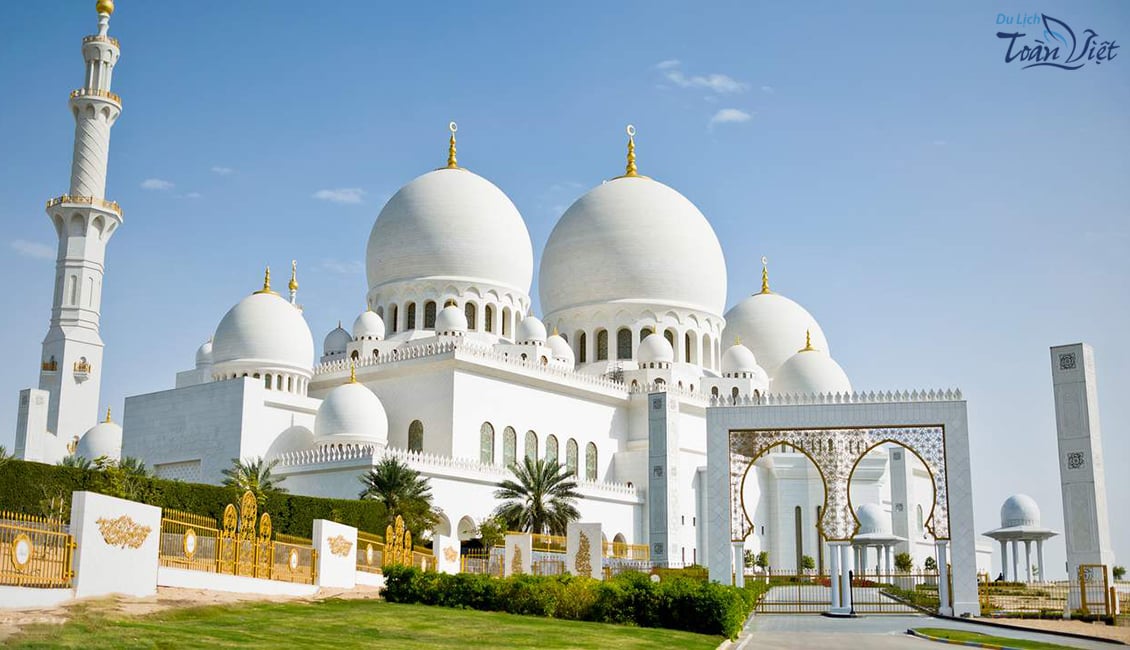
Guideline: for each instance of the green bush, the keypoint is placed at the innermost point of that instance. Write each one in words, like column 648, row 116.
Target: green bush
column 30, row 487
column 679, row 602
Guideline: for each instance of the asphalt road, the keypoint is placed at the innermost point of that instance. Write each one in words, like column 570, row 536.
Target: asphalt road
column 875, row 631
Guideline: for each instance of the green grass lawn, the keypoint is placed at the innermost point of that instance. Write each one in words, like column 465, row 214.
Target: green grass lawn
column 344, row 624
column 977, row 637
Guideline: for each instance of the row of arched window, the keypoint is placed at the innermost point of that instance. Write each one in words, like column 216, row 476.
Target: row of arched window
column 284, row 382
column 490, row 321
column 626, row 342
column 487, row 455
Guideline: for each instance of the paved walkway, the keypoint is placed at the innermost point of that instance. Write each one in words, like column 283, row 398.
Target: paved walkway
column 877, row 631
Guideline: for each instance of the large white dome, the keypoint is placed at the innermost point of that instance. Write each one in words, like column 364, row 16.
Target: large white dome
column 263, row 330
column 450, row 224
column 738, row 360
column 369, row 325
column 336, row 341
column 771, row 326
column 351, row 413
column 810, row 371
column 1020, row 510
column 633, row 240
column 873, row 520
column 655, row 349
column 103, row 439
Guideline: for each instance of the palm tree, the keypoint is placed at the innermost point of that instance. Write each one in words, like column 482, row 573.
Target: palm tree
column 254, row 475
column 76, row 461
column 402, row 491
column 134, row 467
column 541, row 499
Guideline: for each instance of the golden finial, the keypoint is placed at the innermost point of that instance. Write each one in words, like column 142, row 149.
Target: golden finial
column 72, row 446
column 293, row 275
column 353, row 373
column 267, row 282
column 105, row 7
column 737, row 340
column 452, row 163
column 555, row 332
column 108, row 414
column 807, row 342
column 765, row 275
column 631, row 170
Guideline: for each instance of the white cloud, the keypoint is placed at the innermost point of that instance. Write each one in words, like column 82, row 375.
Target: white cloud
column 190, row 195
column 156, row 184
column 768, row 90
column 33, row 249
column 350, row 195
column 350, row 267
column 715, row 82
column 730, row 116
column 222, row 171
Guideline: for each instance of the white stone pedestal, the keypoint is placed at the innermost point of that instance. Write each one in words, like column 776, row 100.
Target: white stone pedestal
column 117, row 544
column 336, row 545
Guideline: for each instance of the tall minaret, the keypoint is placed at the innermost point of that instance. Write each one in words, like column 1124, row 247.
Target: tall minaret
column 71, row 370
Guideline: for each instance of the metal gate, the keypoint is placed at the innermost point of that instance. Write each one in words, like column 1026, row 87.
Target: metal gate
column 794, row 593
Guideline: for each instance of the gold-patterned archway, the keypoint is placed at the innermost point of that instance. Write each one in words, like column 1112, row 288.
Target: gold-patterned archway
column 835, row 453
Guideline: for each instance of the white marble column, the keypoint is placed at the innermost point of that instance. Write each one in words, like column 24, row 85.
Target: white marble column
column 846, row 567
column 834, row 574
column 1040, row 561
column 739, row 564
column 888, row 552
column 862, row 561
column 944, row 606
column 1028, row 559
column 1004, row 559
column 1015, row 562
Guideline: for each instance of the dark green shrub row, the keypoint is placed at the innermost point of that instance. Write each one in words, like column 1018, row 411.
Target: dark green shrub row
column 679, row 603
column 30, row 488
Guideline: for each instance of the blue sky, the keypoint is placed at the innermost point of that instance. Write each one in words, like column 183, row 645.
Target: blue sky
column 946, row 216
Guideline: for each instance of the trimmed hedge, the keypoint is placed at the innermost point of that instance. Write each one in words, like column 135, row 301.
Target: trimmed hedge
column 677, row 602
column 26, row 486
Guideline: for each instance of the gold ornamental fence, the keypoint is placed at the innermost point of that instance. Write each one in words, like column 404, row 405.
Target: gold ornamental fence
column 242, row 544
column 624, row 551
column 370, row 552
column 35, row 551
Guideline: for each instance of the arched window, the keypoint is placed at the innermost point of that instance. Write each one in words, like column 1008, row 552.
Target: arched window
column 707, row 356
column 471, row 311
column 670, row 336
column 602, row 345
column 531, row 445
column 734, row 392
column 921, row 523
column 355, row 356
column 268, row 381
column 551, row 449
column 590, row 462
column 582, row 347
column 416, row 436
column 798, row 527
column 488, row 318
column 395, row 320
column 687, row 347
column 381, row 311
column 714, row 392
column 624, row 343
column 430, row 315
column 571, row 457
column 290, row 384
column 506, row 321
column 646, row 332
column 411, row 316
column 486, row 444
column 509, row 446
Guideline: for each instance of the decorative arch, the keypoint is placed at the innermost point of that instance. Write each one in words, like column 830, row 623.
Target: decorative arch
column 430, row 315
column 590, row 462
column 410, row 316
column 471, row 311
column 509, row 446
column 394, row 312
column 624, row 343
column 602, row 345
column 571, row 453
column 551, row 448
column 582, row 340
column 531, row 445
column 488, row 319
column 486, row 444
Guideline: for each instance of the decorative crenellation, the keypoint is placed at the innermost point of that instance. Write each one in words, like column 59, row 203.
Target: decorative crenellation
column 682, row 393
column 422, row 350
column 123, row 532
column 868, row 397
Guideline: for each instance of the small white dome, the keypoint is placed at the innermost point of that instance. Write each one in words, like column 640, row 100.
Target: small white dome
column 336, row 341
column 560, row 347
column 369, row 325
column 633, row 240
column 655, row 349
column 810, row 371
column 873, row 520
column 531, row 330
column 1020, row 510
column 266, row 330
column 451, row 319
column 204, row 354
column 103, row 439
column 351, row 413
column 767, row 323
column 450, row 224
column 738, row 359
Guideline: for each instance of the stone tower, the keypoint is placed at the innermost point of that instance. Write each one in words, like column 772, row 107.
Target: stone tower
column 66, row 404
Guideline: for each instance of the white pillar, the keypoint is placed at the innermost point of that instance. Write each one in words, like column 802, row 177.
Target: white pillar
column 1004, row 559
column 1016, row 564
column 834, row 574
column 846, row 567
column 739, row 564
column 944, row 606
column 1028, row 559
column 863, row 560
column 1040, row 560
column 888, row 552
